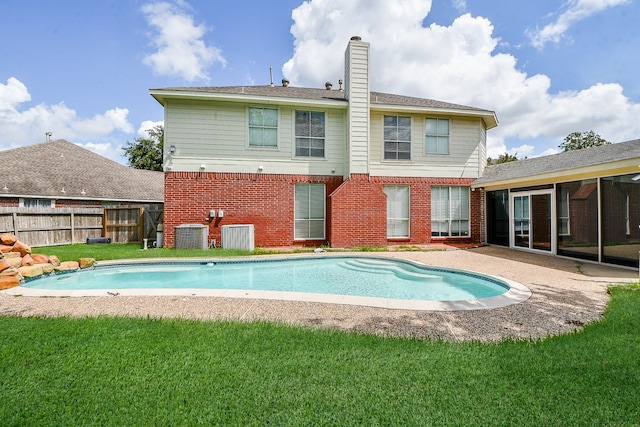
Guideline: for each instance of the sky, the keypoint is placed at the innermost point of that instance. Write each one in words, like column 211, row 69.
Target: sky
column 82, row 70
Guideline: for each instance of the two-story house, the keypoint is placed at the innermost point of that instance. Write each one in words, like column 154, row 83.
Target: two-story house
column 342, row 166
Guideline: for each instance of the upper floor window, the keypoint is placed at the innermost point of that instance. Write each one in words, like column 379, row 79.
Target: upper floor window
column 37, row 203
column 263, row 127
column 397, row 138
column 437, row 136
column 310, row 133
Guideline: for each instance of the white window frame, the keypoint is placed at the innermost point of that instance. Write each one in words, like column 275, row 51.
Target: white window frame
column 450, row 212
column 627, row 214
column 563, row 216
column 311, row 138
column 307, row 215
column 263, row 127
column 27, row 203
column 437, row 135
column 397, row 141
column 398, row 211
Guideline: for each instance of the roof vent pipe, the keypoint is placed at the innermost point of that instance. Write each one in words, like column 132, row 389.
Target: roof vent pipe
column 271, row 76
column 340, row 85
column 285, row 83
column 328, row 85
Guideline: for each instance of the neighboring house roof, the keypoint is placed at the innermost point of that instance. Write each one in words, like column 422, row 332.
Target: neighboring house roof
column 62, row 170
column 324, row 95
column 612, row 158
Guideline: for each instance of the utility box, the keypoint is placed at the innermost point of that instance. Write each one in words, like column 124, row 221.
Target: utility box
column 191, row 236
column 238, row 236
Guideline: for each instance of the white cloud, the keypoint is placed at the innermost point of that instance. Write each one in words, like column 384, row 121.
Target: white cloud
column 460, row 5
column 576, row 10
column 24, row 126
column 146, row 125
column 455, row 63
column 181, row 50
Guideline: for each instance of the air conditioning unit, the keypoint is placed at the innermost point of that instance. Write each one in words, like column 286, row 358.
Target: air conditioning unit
column 191, row 236
column 238, row 236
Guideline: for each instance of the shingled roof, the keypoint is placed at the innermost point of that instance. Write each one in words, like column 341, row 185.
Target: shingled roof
column 301, row 93
column 62, row 170
column 556, row 163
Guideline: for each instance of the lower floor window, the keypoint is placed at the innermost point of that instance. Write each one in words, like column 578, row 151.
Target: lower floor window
column 37, row 203
column 309, row 211
column 449, row 211
column 397, row 210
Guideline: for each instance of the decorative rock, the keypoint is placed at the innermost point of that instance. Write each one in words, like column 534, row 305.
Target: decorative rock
column 67, row 265
column 40, row 258
column 14, row 262
column 4, row 265
column 11, row 271
column 86, row 262
column 5, row 248
column 47, row 268
column 27, row 260
column 7, row 282
column 22, row 248
column 8, row 239
column 54, row 260
column 11, row 255
column 31, row 270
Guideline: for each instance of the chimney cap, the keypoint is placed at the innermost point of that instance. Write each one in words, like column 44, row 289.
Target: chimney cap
column 328, row 85
column 356, row 38
column 285, row 82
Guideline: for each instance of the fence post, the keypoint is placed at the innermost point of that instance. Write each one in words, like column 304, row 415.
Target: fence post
column 15, row 224
column 73, row 228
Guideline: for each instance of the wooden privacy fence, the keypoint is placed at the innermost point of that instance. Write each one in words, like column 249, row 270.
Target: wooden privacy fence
column 63, row 226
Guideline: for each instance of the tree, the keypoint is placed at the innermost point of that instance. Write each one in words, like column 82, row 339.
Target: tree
column 502, row 158
column 146, row 153
column 580, row 140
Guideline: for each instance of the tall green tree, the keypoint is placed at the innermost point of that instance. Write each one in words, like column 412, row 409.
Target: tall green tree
column 502, row 158
column 580, row 140
column 146, row 153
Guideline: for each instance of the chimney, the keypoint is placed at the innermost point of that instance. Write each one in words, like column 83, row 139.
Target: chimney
column 356, row 92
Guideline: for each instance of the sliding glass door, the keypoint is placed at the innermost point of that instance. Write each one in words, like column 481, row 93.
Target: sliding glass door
column 532, row 223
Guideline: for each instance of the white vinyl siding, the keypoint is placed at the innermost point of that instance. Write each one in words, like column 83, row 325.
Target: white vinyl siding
column 437, row 139
column 263, row 127
column 466, row 158
column 397, row 138
column 309, row 212
column 397, row 210
column 309, row 128
column 450, row 211
column 216, row 134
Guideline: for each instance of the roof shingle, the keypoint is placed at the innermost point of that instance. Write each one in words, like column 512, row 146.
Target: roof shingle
column 560, row 162
column 47, row 168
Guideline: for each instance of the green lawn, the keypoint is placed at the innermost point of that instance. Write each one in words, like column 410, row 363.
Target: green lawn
column 120, row 371
column 125, row 251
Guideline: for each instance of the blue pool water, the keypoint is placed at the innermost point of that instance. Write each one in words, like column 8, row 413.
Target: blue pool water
column 356, row 276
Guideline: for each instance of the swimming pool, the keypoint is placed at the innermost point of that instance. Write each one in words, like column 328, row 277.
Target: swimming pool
column 375, row 281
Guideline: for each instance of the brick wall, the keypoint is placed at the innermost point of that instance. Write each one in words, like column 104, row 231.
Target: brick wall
column 264, row 200
column 356, row 208
column 420, row 208
column 358, row 213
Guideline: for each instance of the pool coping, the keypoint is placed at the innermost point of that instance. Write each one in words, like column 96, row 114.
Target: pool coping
column 516, row 293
